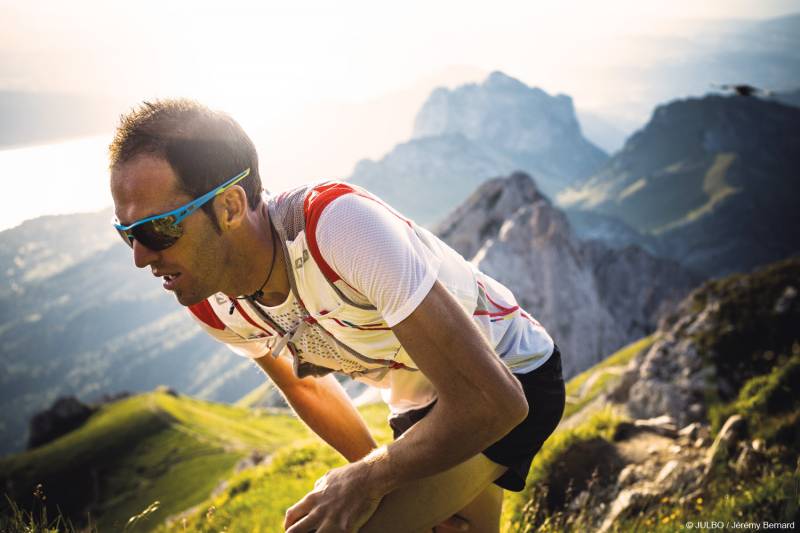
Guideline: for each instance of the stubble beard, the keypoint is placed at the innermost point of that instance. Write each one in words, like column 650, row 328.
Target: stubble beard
column 205, row 276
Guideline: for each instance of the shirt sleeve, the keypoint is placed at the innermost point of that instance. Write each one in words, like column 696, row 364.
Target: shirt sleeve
column 378, row 253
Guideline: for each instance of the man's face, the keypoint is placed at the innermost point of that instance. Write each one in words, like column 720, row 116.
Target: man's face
column 192, row 267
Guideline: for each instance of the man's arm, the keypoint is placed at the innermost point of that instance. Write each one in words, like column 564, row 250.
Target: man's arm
column 324, row 406
column 479, row 401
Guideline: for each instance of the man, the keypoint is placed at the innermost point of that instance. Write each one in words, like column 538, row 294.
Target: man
column 328, row 278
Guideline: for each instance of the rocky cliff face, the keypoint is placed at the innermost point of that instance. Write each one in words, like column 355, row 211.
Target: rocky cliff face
column 725, row 333
column 475, row 132
column 591, row 298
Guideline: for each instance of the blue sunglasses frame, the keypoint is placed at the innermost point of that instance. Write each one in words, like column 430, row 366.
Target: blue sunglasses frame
column 170, row 229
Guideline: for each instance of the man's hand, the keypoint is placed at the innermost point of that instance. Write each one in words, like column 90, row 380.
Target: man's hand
column 341, row 502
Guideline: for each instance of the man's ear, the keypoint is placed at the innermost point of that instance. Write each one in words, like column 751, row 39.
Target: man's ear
column 231, row 208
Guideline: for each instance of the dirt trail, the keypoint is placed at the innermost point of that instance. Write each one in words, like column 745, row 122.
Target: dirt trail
column 645, row 445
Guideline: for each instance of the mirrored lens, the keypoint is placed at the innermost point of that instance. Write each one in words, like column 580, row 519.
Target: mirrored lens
column 158, row 234
column 126, row 236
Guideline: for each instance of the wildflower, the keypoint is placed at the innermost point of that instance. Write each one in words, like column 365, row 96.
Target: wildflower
column 152, row 508
column 210, row 513
column 38, row 492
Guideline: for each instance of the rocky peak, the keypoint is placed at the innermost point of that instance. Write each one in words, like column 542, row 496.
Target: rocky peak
column 722, row 335
column 495, row 201
column 587, row 295
column 467, row 135
column 500, row 81
column 711, row 124
column 502, row 112
column 66, row 414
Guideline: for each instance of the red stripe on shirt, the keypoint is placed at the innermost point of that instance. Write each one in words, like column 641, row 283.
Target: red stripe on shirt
column 504, row 312
column 497, row 305
column 365, row 327
column 206, row 314
column 249, row 320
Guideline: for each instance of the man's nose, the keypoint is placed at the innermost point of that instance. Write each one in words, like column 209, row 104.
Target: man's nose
column 142, row 255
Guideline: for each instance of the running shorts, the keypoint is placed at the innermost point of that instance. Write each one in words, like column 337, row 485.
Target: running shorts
column 544, row 390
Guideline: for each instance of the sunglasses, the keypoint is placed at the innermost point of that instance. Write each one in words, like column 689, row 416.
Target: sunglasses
column 159, row 232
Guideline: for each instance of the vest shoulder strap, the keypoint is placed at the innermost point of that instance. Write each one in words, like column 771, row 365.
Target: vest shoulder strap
column 300, row 210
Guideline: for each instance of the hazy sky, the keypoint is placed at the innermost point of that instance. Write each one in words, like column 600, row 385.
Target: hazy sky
column 290, row 73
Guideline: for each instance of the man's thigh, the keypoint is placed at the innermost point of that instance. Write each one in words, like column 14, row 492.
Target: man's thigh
column 483, row 513
column 421, row 505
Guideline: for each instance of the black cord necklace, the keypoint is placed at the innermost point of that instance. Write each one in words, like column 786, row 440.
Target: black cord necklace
column 260, row 292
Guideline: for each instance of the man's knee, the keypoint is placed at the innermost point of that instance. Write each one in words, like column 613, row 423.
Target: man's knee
column 425, row 503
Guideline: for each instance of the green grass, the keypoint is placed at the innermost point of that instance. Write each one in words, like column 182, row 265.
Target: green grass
column 176, row 450
column 770, row 404
column 749, row 332
column 151, row 447
column 256, row 499
column 517, row 507
column 605, row 379
column 255, row 396
column 771, row 496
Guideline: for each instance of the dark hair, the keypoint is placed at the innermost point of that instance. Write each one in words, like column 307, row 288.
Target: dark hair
column 204, row 147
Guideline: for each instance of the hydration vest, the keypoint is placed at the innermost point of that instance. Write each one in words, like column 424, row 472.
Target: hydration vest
column 340, row 330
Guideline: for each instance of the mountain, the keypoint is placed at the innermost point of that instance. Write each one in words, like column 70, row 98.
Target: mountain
column 714, row 179
column 77, row 318
column 592, row 298
column 723, row 335
column 45, row 246
column 446, row 168
column 540, row 132
column 474, row 132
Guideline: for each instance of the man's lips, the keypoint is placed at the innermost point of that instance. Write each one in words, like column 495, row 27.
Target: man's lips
column 170, row 280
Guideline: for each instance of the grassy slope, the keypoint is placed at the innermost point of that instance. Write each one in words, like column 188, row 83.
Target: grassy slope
column 256, row 499
column 255, row 396
column 601, row 376
column 142, row 449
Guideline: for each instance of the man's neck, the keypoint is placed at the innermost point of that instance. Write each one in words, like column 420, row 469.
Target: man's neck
column 257, row 261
